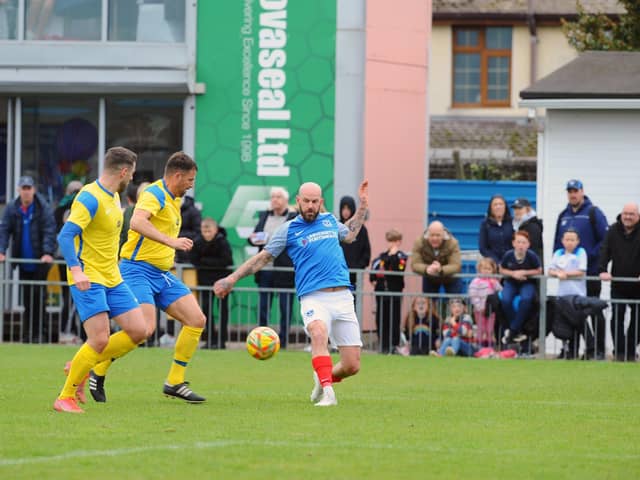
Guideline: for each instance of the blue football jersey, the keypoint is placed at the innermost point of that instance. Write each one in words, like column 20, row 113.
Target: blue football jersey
column 314, row 248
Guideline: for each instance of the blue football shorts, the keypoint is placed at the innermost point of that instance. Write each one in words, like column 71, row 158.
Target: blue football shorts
column 113, row 300
column 152, row 285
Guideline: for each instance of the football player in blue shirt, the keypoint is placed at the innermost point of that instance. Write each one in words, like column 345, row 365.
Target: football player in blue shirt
column 312, row 240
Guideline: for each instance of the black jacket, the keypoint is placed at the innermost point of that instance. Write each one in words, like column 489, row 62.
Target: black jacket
column 623, row 250
column 43, row 228
column 533, row 227
column 190, row 228
column 357, row 253
column 569, row 312
column 280, row 279
column 213, row 258
column 390, row 263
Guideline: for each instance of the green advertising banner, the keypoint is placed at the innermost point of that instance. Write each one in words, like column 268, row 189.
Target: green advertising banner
column 267, row 116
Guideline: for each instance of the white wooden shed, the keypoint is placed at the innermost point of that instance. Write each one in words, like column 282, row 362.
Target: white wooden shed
column 591, row 132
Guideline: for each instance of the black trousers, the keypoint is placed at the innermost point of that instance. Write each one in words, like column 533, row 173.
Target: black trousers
column 388, row 322
column 624, row 343
column 212, row 336
column 35, row 328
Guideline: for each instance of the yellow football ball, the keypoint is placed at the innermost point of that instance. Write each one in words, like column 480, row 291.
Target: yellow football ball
column 263, row 343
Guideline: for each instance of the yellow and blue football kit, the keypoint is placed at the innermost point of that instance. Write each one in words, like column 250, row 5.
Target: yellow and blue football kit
column 94, row 226
column 90, row 239
column 145, row 263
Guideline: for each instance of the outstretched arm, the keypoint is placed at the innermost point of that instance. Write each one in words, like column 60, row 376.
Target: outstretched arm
column 354, row 224
column 224, row 286
column 141, row 223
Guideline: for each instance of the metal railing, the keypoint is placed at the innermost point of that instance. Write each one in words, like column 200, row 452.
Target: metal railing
column 42, row 311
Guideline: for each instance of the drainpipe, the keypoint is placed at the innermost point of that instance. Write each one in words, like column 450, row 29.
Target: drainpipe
column 533, row 39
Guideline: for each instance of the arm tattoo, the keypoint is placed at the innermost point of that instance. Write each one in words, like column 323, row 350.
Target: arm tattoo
column 354, row 224
column 253, row 265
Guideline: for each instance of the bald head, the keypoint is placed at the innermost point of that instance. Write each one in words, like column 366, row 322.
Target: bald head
column 310, row 188
column 309, row 200
column 630, row 216
column 435, row 234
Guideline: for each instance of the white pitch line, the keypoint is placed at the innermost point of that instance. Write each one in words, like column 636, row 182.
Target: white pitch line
column 587, row 455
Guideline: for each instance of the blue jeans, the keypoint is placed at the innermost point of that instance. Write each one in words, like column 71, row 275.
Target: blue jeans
column 527, row 292
column 454, row 286
column 465, row 349
column 264, row 306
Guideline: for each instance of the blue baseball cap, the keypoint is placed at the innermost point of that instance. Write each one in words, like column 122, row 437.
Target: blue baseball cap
column 574, row 184
column 26, row 181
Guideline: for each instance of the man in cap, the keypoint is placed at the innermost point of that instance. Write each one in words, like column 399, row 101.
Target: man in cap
column 30, row 223
column 591, row 224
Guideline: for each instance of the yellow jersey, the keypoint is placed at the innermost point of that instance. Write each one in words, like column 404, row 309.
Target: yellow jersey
column 98, row 213
column 165, row 216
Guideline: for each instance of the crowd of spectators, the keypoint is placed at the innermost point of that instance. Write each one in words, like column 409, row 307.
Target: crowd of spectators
column 497, row 309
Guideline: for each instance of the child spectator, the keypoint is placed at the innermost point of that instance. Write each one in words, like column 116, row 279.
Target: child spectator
column 518, row 265
column 479, row 289
column 388, row 307
column 422, row 323
column 569, row 265
column 457, row 332
column 211, row 255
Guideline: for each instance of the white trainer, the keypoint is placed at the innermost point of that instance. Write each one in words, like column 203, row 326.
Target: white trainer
column 316, row 393
column 328, row 398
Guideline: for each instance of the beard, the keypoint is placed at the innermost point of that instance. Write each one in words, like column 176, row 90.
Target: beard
column 122, row 186
column 308, row 215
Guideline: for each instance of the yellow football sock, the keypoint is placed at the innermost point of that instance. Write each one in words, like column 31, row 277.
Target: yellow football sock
column 84, row 359
column 119, row 344
column 186, row 345
column 102, row 367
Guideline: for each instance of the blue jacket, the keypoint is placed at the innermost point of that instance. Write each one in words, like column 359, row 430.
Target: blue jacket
column 43, row 228
column 591, row 225
column 495, row 240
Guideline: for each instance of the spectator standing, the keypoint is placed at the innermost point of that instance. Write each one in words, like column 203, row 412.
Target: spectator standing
column 30, row 223
column 268, row 222
column 496, row 230
column 591, row 224
column 358, row 253
column 436, row 255
column 423, row 325
column 518, row 265
column 62, row 211
column 569, row 265
column 212, row 257
column 191, row 220
column 388, row 315
column 480, row 289
column 621, row 247
column 457, row 331
column 525, row 218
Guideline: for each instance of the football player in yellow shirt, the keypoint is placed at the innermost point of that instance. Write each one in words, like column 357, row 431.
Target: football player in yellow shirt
column 89, row 243
column 146, row 259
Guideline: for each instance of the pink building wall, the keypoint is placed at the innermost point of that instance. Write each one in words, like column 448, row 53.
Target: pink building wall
column 396, row 122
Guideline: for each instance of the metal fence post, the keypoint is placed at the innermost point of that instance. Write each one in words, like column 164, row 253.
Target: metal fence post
column 542, row 327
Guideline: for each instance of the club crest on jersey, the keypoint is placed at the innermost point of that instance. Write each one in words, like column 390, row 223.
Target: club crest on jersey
column 303, row 242
column 119, row 224
column 326, row 223
column 309, row 313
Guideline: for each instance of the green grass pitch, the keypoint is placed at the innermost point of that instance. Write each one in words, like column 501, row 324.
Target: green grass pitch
column 400, row 418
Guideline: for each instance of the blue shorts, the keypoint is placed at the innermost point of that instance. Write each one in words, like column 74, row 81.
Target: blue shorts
column 115, row 300
column 152, row 285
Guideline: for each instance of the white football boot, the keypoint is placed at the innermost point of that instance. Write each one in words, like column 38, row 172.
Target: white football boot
column 328, row 398
column 316, row 393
